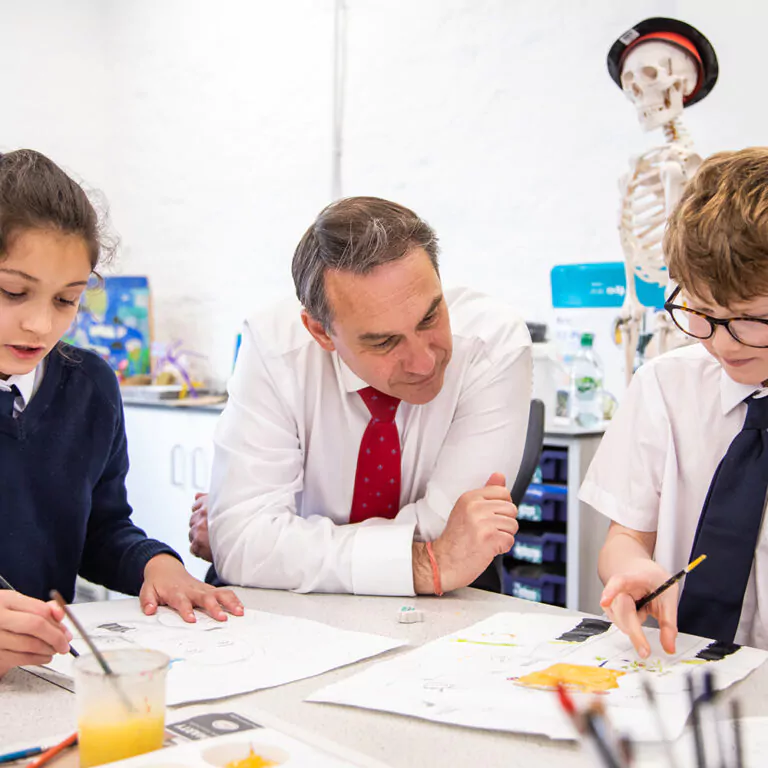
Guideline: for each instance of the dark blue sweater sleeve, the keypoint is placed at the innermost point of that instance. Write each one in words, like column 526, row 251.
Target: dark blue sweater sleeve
column 116, row 551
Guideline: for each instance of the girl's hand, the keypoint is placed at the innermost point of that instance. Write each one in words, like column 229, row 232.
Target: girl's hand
column 618, row 601
column 166, row 582
column 31, row 631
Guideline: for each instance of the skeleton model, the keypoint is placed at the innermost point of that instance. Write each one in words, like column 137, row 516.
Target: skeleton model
column 662, row 65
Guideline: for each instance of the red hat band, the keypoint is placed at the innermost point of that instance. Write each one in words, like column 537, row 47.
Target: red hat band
column 681, row 42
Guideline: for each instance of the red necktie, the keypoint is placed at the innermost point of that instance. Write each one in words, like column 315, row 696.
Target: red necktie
column 377, row 480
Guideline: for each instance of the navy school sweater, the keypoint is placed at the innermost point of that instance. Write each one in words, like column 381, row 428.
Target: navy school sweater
column 63, row 505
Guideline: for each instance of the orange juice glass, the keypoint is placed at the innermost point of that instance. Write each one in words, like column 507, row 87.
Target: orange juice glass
column 123, row 714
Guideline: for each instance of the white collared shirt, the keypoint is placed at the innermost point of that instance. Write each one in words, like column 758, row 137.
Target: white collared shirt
column 655, row 464
column 27, row 384
column 286, row 452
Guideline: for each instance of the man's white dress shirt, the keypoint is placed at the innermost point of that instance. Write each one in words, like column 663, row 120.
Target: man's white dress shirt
column 655, row 464
column 287, row 443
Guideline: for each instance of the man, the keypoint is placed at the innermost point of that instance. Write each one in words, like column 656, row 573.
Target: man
column 369, row 432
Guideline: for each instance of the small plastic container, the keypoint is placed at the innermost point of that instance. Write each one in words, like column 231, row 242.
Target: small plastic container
column 122, row 714
column 536, row 584
column 554, row 465
column 544, row 504
column 539, row 548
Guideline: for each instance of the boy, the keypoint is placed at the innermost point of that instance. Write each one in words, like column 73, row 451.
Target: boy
column 683, row 468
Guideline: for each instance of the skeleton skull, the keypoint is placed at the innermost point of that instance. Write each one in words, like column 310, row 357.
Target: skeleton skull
column 655, row 76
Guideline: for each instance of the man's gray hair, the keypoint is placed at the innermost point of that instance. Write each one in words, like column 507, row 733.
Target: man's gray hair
column 355, row 234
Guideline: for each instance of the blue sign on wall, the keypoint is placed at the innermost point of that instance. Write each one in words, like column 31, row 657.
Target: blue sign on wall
column 599, row 285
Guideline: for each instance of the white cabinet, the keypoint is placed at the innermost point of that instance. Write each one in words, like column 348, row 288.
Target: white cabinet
column 170, row 451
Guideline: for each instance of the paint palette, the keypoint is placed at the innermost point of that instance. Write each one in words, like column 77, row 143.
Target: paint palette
column 259, row 748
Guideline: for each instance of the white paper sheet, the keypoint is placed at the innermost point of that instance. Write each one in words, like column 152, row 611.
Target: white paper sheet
column 211, row 659
column 471, row 678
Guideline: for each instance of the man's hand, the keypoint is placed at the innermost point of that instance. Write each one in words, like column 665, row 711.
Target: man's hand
column 31, row 631
column 166, row 582
column 199, row 543
column 481, row 525
column 640, row 578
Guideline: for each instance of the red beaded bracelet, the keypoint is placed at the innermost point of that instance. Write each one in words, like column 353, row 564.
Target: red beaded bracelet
column 435, row 570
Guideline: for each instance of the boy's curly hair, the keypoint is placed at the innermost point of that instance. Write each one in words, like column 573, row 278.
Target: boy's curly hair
column 716, row 242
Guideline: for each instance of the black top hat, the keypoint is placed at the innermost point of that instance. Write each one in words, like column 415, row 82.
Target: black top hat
column 672, row 31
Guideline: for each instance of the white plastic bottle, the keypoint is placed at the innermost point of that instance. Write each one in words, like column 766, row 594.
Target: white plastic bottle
column 587, row 384
column 567, row 340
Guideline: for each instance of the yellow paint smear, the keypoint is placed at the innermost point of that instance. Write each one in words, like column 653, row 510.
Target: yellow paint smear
column 574, row 676
column 252, row 761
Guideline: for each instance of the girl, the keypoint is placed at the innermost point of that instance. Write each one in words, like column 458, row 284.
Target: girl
column 63, row 456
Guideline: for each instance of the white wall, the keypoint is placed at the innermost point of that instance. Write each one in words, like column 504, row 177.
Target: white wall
column 54, row 94
column 208, row 124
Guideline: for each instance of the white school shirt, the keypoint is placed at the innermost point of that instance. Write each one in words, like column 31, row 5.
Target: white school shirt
column 656, row 461
column 27, row 384
column 286, row 452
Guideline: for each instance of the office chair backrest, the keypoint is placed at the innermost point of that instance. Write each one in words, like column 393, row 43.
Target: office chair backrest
column 534, row 439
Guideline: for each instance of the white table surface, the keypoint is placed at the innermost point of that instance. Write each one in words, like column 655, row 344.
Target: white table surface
column 32, row 709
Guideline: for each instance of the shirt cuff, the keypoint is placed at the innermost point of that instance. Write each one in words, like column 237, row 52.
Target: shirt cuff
column 382, row 560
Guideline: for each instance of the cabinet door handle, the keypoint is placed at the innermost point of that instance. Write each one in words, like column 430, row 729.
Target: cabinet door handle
column 176, row 452
column 199, row 486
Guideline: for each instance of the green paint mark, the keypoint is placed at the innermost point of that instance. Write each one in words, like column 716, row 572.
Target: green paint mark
column 485, row 642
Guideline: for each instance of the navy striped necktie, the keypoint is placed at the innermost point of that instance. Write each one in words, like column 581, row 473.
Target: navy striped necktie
column 728, row 531
column 7, row 398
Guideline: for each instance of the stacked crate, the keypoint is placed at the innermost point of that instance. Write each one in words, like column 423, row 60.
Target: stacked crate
column 535, row 567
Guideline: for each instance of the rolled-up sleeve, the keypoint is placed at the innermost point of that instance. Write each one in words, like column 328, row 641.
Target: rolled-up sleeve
column 625, row 477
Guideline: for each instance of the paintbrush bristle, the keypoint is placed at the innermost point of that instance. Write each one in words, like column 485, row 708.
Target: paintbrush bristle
column 700, row 559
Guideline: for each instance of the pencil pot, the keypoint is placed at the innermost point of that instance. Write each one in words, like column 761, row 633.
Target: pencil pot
column 121, row 714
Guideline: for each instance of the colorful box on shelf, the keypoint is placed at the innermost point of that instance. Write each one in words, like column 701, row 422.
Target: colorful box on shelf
column 544, row 503
column 554, row 465
column 537, row 549
column 599, row 284
column 530, row 582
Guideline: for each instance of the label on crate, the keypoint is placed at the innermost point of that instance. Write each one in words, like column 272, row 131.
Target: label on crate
column 526, row 592
column 527, row 552
column 529, row 512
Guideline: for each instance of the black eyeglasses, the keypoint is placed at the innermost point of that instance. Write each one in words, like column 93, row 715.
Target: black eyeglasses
column 750, row 331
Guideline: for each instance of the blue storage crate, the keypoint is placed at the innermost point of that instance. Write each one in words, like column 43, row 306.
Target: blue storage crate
column 537, row 549
column 533, row 583
column 554, row 465
column 544, row 503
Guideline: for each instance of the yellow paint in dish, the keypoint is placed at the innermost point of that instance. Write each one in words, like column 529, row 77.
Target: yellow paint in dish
column 251, row 761
column 574, row 676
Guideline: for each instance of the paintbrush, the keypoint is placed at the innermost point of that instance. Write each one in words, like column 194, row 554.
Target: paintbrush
column 588, row 728
column 643, row 601
column 651, row 696
column 5, row 584
column 737, row 739
column 696, row 723
column 56, row 595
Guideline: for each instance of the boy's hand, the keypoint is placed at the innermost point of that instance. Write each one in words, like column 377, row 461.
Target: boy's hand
column 31, row 631
column 618, row 601
column 166, row 582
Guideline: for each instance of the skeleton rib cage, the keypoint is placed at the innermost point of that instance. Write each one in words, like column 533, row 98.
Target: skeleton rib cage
column 649, row 193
